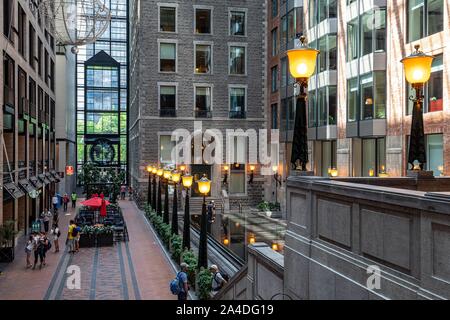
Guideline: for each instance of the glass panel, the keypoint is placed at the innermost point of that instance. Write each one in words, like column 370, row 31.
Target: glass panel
column 381, row 155
column 332, row 105
column 435, row 153
column 311, row 109
column 166, row 145
column 326, row 157
column 435, row 86
column 435, row 16
column 380, row 94
column 352, row 40
column 415, row 19
column 237, row 100
column 367, row 99
column 322, row 106
column 274, row 79
column 369, row 157
column 202, row 59
column 102, row 123
column 275, row 42
column 283, row 72
column 237, row 23
column 352, row 102
column 366, row 33
column 380, row 30
column 203, row 99
column 167, row 97
column 203, row 21
column 237, row 60
column 167, row 19
column 167, row 57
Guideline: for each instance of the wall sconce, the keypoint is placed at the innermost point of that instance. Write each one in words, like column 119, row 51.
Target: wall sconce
column 275, row 246
column 182, row 169
column 441, row 170
column 226, row 241
column 333, row 172
column 226, row 168
column 383, row 173
column 371, row 173
column 252, row 239
column 252, row 173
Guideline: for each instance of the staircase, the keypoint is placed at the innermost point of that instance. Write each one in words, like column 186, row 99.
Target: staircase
column 195, row 205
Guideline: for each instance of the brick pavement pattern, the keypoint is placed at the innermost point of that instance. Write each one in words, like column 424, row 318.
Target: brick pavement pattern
column 134, row 270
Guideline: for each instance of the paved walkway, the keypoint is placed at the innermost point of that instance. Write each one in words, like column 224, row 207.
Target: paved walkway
column 132, row 270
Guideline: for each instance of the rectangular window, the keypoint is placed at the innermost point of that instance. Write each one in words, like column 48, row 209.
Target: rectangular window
column 8, row 81
column 274, row 72
column 39, row 57
column 274, row 42
column 328, row 157
column 373, row 157
column 7, row 19
column 320, row 10
column 238, row 103
column 167, row 57
column 237, row 179
column 165, row 146
column 32, row 98
column 167, row 101
column 435, row 152
column 352, row 100
column 46, row 66
column 202, row 58
column 425, row 17
column 274, row 112
column 237, row 61
column 102, row 123
column 274, row 8
column 167, row 19
column 237, row 23
column 21, row 23
column 22, row 91
column 203, row 102
column 203, row 21
column 52, row 75
column 31, row 46
column 352, row 40
column 284, row 75
column 284, row 32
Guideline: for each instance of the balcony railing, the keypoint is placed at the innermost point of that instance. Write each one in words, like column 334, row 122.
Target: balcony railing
column 238, row 114
column 168, row 112
column 203, row 114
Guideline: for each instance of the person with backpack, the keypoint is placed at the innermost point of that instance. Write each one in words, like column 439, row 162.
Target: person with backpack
column 71, row 235
column 179, row 285
column 73, row 196
column 56, row 234
column 218, row 281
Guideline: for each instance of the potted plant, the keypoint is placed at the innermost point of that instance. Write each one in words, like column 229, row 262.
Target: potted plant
column 188, row 257
column 104, row 236
column 87, row 237
column 7, row 236
column 175, row 247
column 204, row 284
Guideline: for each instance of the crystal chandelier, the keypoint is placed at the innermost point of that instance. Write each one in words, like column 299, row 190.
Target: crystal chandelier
column 76, row 22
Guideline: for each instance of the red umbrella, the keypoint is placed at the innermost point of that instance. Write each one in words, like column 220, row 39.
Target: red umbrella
column 103, row 208
column 95, row 202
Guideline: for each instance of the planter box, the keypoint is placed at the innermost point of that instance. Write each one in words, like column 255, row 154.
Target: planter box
column 87, row 241
column 7, row 254
column 105, row 240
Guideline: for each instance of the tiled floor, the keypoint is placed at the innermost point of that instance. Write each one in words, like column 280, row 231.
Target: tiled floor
column 133, row 270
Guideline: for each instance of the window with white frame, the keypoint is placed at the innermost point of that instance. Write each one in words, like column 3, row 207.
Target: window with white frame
column 203, row 101
column 165, row 148
column 237, row 23
column 237, row 60
column 203, row 55
column 167, row 100
column 203, row 21
column 238, row 102
column 167, row 57
column 167, row 19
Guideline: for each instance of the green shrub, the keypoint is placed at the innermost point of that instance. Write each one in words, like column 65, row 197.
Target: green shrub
column 204, row 281
column 176, row 243
column 189, row 257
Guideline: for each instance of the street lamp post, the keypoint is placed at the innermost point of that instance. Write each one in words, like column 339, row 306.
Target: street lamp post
column 187, row 183
column 166, row 176
column 417, row 68
column 277, row 181
column 159, row 173
column 149, row 194
column 302, row 64
column 154, row 171
column 176, row 177
column 204, row 186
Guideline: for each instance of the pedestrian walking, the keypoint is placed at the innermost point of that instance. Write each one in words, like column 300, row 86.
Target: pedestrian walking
column 71, row 234
column 74, row 199
column 218, row 280
column 55, row 202
column 56, row 233
column 40, row 247
column 123, row 190
column 179, row 286
column 29, row 248
column 65, row 202
column 45, row 216
column 130, row 192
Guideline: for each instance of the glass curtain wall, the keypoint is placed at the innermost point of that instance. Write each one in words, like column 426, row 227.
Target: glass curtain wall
column 111, row 116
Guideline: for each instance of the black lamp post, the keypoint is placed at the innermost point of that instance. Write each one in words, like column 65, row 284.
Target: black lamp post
column 187, row 183
column 204, row 186
column 302, row 64
column 176, row 177
column 154, row 188
column 160, row 173
column 417, row 71
column 166, row 176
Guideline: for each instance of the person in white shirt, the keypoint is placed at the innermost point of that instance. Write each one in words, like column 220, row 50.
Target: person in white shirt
column 218, row 281
column 29, row 248
column 56, row 234
column 45, row 216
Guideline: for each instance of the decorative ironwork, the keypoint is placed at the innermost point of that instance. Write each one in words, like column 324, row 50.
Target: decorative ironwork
column 102, row 152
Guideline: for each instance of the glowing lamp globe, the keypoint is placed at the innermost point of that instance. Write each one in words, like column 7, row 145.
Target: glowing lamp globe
column 176, row 176
column 154, row 170
column 275, row 169
column 302, row 60
column 149, row 169
column 417, row 67
column 252, row 168
column 166, row 174
column 160, row 172
column 187, row 180
column 183, row 167
column 204, row 185
column 226, row 168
